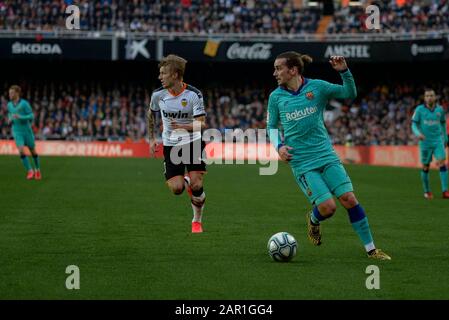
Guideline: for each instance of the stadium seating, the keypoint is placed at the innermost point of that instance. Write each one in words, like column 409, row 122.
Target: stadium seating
column 70, row 111
column 225, row 16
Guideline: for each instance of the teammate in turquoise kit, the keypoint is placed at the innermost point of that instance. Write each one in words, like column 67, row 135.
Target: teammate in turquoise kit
column 21, row 116
column 429, row 125
column 298, row 103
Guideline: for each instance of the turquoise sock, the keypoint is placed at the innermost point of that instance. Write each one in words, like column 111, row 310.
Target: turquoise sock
column 37, row 164
column 425, row 180
column 443, row 178
column 360, row 224
column 26, row 162
column 363, row 230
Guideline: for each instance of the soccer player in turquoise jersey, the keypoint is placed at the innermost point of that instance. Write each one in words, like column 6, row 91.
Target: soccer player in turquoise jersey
column 21, row 116
column 298, row 103
column 429, row 125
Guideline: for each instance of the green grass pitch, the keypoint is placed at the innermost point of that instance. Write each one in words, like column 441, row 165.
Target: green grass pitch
column 117, row 221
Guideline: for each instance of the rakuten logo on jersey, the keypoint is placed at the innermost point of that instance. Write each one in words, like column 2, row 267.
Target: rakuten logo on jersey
column 300, row 114
column 257, row 51
column 35, row 48
column 431, row 122
column 175, row 115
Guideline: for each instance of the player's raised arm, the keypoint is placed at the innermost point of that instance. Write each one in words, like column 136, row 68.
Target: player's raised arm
column 346, row 91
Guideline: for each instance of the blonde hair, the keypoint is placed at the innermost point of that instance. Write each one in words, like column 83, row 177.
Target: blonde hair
column 175, row 63
column 16, row 88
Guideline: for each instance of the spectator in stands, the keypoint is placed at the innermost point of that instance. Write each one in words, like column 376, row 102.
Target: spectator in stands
column 380, row 116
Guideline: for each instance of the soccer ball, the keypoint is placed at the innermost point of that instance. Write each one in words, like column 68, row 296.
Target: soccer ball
column 282, row 247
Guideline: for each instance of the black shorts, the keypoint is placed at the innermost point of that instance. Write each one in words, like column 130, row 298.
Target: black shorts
column 448, row 140
column 193, row 162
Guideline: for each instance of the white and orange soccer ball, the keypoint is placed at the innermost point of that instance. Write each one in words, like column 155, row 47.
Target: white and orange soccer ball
column 282, row 247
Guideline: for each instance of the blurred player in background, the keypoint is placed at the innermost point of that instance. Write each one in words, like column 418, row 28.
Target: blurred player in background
column 429, row 125
column 183, row 116
column 447, row 131
column 21, row 116
column 298, row 103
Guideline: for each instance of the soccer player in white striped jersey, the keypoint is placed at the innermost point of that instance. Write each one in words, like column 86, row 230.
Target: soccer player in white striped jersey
column 181, row 107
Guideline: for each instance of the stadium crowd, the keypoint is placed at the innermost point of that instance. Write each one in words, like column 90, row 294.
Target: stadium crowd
column 413, row 16
column 381, row 115
column 199, row 16
column 220, row 16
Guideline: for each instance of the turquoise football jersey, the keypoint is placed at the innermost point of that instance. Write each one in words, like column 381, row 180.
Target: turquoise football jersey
column 301, row 116
column 23, row 109
column 430, row 123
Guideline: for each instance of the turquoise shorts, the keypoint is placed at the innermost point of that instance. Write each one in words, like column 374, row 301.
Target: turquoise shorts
column 426, row 152
column 24, row 139
column 323, row 183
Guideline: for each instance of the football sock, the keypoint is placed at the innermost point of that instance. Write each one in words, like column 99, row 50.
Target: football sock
column 37, row 164
column 443, row 178
column 425, row 180
column 316, row 217
column 198, row 199
column 26, row 162
column 360, row 224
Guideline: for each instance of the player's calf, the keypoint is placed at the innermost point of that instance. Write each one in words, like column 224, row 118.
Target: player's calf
column 198, row 198
column 425, row 182
column 443, row 178
column 196, row 185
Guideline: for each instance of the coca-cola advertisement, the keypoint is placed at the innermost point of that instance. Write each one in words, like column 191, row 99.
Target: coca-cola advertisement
column 256, row 51
column 266, row 51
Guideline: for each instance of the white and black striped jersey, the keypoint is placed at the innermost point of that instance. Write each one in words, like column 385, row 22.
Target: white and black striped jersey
column 183, row 108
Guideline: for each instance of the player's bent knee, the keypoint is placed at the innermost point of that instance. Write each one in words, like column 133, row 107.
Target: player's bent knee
column 348, row 200
column 327, row 208
column 177, row 190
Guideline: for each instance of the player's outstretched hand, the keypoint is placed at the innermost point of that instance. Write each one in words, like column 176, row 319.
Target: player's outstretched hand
column 421, row 137
column 153, row 145
column 284, row 154
column 338, row 63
